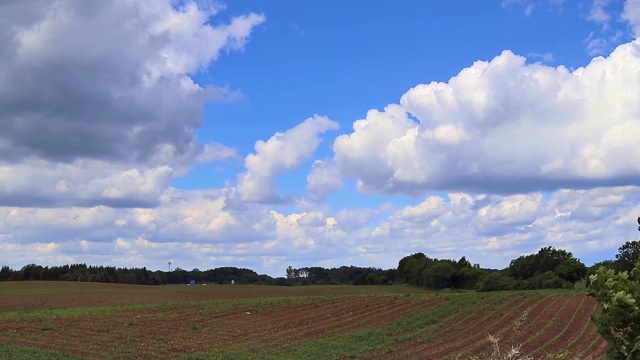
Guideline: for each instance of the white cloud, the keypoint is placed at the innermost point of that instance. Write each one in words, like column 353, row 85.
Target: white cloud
column 216, row 152
column 34, row 182
column 509, row 213
column 504, row 126
column 323, row 179
column 85, row 169
column 598, row 12
column 204, row 229
column 607, row 13
column 363, row 154
column 81, row 93
column 281, row 153
column 631, row 14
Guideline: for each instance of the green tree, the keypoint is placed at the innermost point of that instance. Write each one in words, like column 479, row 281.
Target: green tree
column 406, row 265
column 496, row 281
column 571, row 270
column 440, row 275
column 5, row 273
column 371, row 279
column 548, row 280
column 560, row 262
column 619, row 322
column 628, row 255
column 290, row 272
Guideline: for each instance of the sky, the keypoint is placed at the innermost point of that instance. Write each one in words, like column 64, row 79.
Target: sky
column 268, row 134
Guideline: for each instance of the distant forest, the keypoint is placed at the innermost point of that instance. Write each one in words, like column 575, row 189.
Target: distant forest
column 548, row 268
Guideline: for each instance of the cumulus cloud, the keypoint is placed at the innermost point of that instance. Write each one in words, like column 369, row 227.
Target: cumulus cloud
column 96, row 87
column 201, row 228
column 497, row 228
column 323, row 179
column 35, row 182
column 504, row 126
column 281, row 153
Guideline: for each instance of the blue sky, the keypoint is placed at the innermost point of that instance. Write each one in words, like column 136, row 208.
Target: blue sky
column 267, row 134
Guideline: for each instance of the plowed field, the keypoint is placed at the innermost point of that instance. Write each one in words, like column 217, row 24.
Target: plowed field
column 101, row 321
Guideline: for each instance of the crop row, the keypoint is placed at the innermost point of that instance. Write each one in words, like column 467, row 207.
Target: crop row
column 542, row 325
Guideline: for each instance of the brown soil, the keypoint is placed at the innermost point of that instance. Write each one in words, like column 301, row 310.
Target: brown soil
column 118, row 321
column 554, row 324
column 161, row 331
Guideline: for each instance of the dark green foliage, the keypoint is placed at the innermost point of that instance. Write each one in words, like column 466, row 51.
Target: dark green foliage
column 6, row 273
column 140, row 276
column 619, row 322
column 548, row 269
column 441, row 275
column 496, row 281
column 418, row 269
column 405, row 269
column 560, row 262
column 470, row 276
column 628, row 255
column 343, row 275
column 280, row 281
column 547, row 280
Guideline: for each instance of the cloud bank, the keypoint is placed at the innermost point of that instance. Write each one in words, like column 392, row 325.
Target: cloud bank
column 504, row 126
column 203, row 227
column 95, row 88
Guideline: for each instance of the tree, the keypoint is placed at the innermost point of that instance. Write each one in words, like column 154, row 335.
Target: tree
column 290, row 272
column 619, row 322
column 5, row 273
column 571, row 270
column 371, row 279
column 406, row 265
column 440, row 275
column 496, row 281
column 548, row 280
column 560, row 262
column 628, row 255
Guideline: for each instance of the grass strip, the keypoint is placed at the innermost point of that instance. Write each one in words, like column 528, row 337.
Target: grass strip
column 8, row 352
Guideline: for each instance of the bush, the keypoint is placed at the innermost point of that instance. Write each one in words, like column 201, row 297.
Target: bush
column 548, row 280
column 619, row 322
column 496, row 281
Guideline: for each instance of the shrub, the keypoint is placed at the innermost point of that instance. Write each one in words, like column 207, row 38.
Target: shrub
column 619, row 322
column 496, row 281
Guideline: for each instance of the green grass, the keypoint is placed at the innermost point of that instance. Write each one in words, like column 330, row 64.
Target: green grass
column 8, row 352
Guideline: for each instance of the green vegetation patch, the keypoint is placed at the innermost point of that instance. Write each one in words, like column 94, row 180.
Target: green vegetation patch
column 8, row 352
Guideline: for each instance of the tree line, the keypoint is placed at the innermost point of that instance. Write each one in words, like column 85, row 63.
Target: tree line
column 549, row 268
column 352, row 275
column 546, row 269
column 139, row 276
column 222, row 275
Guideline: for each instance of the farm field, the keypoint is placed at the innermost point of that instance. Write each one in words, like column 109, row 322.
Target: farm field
column 61, row 320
